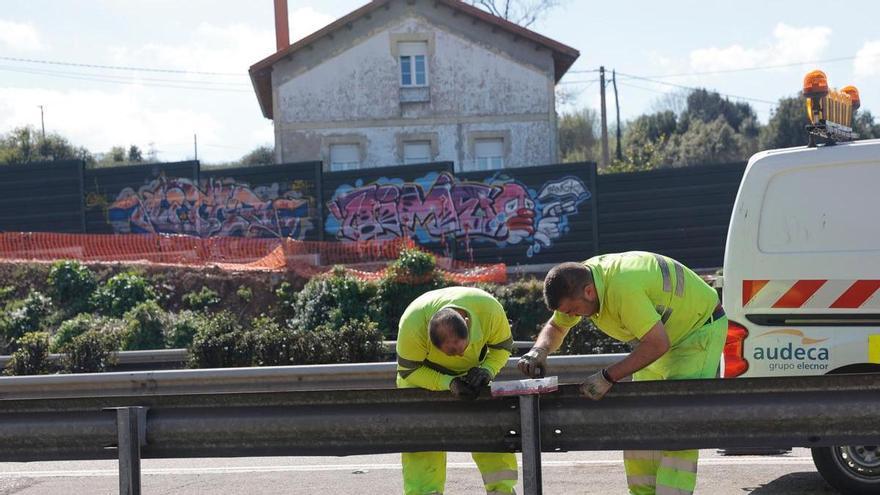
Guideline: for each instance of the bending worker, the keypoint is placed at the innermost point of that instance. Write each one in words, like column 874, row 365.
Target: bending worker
column 455, row 339
column 671, row 316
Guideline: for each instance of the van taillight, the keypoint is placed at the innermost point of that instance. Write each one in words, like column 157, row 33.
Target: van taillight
column 735, row 363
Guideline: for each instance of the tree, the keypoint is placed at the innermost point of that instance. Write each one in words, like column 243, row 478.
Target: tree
column 864, row 125
column 706, row 106
column 578, row 135
column 522, row 12
column 260, row 155
column 707, row 143
column 135, row 155
column 786, row 127
column 27, row 145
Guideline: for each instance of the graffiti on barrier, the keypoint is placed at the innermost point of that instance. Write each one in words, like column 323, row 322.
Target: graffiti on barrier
column 221, row 207
column 500, row 210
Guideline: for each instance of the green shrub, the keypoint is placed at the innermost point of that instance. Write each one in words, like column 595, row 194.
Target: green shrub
column 396, row 291
column 523, row 301
column 415, row 264
column 7, row 293
column 201, row 300
column 221, row 342
column 181, row 329
column 355, row 341
column 23, row 316
column 585, row 338
column 280, row 345
column 311, row 307
column 92, row 352
column 32, row 356
column 72, row 328
column 121, row 293
column 71, row 284
column 245, row 293
column 145, row 326
column 286, row 307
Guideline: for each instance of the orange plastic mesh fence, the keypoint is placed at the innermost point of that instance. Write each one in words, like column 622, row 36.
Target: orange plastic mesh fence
column 366, row 260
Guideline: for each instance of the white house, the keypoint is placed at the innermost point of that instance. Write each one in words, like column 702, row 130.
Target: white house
column 413, row 81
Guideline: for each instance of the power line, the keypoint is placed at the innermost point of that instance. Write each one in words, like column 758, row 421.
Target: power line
column 135, row 79
column 756, row 68
column 692, row 88
column 106, row 79
column 120, row 67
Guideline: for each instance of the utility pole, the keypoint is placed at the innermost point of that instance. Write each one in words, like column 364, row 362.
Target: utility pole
column 196, row 146
column 42, row 122
column 617, row 104
column 604, row 117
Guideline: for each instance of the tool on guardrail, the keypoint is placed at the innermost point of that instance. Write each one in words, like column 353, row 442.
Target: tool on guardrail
column 529, row 392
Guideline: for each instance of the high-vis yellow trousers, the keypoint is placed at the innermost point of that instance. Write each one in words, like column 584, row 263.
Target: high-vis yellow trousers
column 424, row 473
column 674, row 472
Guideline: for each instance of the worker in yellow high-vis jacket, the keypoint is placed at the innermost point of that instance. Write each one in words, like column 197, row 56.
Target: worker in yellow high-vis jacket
column 671, row 316
column 455, row 339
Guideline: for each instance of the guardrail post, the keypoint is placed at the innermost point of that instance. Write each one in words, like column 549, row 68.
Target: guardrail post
column 131, row 432
column 530, row 422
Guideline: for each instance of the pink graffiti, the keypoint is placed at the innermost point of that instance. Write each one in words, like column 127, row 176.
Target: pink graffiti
column 222, row 207
column 498, row 211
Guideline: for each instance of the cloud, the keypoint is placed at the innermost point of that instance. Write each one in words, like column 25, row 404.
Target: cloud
column 19, row 36
column 867, row 61
column 222, row 48
column 101, row 119
column 789, row 45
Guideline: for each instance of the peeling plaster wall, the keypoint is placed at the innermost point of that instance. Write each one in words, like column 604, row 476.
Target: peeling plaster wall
column 351, row 93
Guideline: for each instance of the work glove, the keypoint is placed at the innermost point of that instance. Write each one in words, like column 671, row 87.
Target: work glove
column 597, row 385
column 533, row 363
column 478, row 377
column 461, row 390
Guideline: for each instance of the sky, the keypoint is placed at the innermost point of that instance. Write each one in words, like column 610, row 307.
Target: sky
column 200, row 50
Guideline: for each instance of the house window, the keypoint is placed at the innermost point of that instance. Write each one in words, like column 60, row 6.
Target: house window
column 413, row 63
column 488, row 154
column 345, row 156
column 416, row 152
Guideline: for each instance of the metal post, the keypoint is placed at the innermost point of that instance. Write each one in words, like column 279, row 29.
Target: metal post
column 530, row 421
column 131, row 433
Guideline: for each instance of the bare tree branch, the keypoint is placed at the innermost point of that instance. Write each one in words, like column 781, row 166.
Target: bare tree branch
column 522, row 12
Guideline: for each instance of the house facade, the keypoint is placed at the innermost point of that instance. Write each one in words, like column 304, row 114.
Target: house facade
column 415, row 81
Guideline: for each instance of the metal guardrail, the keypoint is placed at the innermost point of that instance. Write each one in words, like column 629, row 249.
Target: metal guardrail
column 796, row 411
column 160, row 359
column 266, row 379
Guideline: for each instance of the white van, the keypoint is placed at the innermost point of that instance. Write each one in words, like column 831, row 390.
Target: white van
column 801, row 283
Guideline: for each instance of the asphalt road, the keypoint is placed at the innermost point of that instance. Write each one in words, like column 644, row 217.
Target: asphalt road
column 597, row 473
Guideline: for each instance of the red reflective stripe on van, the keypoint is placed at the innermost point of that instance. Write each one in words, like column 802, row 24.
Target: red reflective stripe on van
column 857, row 294
column 799, row 293
column 751, row 288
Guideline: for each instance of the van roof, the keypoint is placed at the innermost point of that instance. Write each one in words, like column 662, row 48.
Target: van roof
column 801, row 149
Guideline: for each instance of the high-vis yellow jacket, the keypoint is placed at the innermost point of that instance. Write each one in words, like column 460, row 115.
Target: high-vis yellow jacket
column 420, row 364
column 637, row 289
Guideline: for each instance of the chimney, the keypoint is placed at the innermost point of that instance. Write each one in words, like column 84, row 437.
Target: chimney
column 282, row 30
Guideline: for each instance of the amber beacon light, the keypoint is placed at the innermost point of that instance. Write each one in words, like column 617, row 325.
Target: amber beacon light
column 830, row 112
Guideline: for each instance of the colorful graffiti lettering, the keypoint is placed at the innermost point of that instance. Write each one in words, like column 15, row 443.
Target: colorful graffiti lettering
column 221, row 207
column 500, row 210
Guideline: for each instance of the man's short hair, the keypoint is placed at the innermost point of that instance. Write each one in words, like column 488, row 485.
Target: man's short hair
column 445, row 324
column 564, row 281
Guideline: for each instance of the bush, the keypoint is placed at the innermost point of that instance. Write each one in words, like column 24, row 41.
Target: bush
column 201, row 300
column 245, row 293
column 23, row 316
column 355, row 341
column 7, row 293
column 407, row 278
column 145, row 327
column 523, row 301
column 32, row 356
column 181, row 329
column 279, row 345
column 221, row 342
column 71, row 285
column 72, row 328
column 121, row 293
column 585, row 338
column 311, row 307
column 92, row 352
